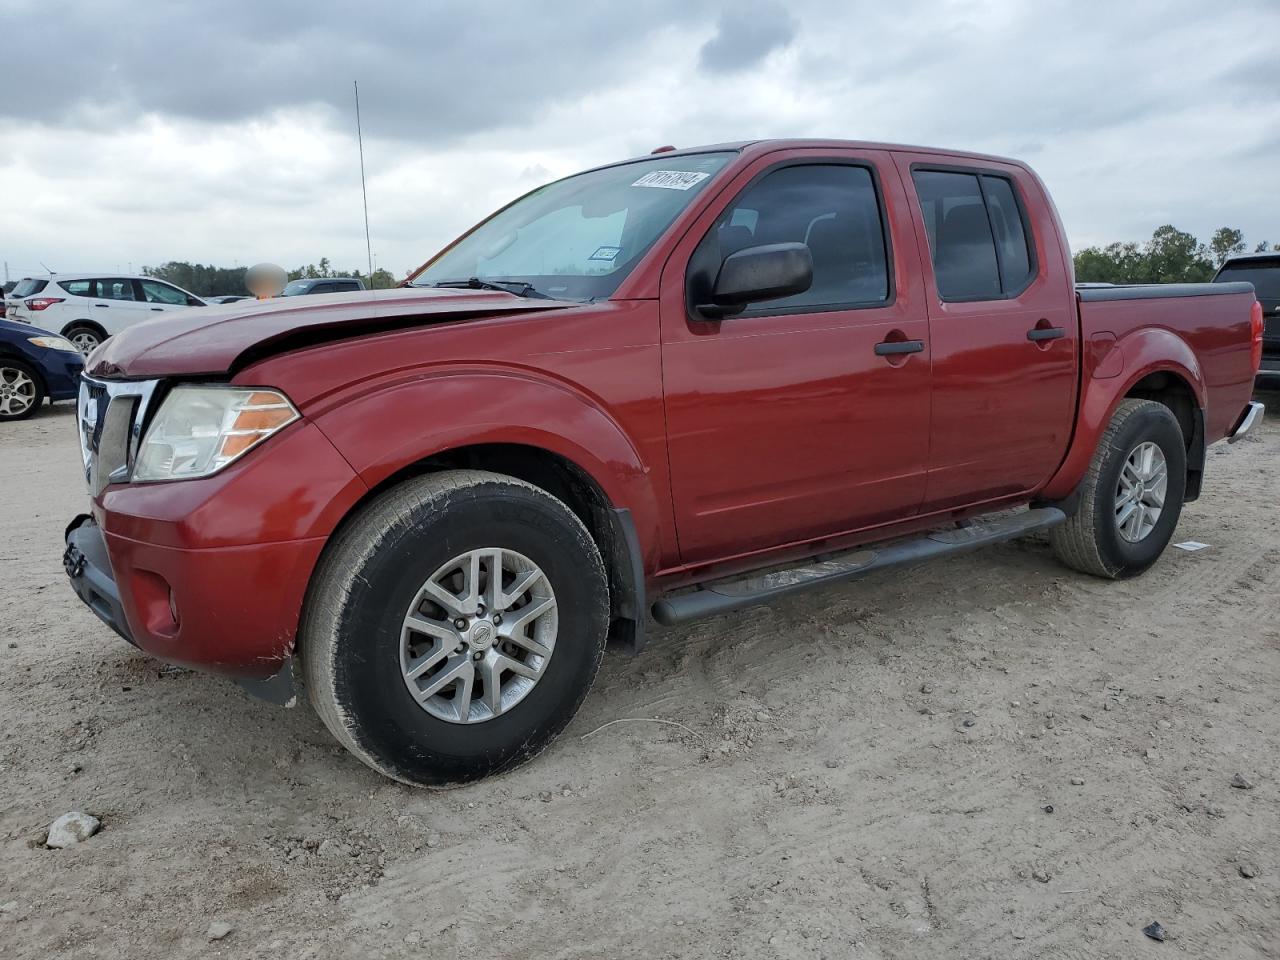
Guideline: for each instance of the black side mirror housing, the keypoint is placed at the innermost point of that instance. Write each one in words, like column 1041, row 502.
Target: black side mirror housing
column 753, row 274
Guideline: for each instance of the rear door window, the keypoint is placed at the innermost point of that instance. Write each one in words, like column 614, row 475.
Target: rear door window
column 977, row 235
column 114, row 288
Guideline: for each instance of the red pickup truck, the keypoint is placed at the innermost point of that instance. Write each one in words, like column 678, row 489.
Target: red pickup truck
column 678, row 385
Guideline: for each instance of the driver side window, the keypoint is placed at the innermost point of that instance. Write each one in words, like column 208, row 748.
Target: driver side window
column 831, row 208
column 156, row 292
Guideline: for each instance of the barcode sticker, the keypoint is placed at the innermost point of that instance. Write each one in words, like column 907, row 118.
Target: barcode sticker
column 671, row 179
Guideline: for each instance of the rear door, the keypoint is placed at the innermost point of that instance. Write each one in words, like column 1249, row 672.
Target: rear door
column 115, row 303
column 790, row 421
column 1003, row 328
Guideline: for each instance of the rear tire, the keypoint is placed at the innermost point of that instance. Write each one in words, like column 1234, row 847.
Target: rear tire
column 21, row 390
column 1119, row 530
column 371, row 622
column 86, row 336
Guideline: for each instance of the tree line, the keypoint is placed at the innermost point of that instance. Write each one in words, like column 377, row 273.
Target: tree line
column 1170, row 256
column 210, row 281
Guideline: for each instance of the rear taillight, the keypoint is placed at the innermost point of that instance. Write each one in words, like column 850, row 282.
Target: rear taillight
column 1255, row 321
column 41, row 303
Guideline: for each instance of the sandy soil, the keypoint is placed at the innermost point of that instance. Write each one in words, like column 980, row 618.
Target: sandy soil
column 868, row 773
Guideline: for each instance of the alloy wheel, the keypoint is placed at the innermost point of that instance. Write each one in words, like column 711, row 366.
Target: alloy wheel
column 1140, row 494
column 478, row 636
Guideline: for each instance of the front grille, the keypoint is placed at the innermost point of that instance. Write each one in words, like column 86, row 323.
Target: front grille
column 110, row 416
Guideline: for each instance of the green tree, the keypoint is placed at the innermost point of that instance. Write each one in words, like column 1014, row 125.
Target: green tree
column 1177, row 257
column 1224, row 242
column 1170, row 256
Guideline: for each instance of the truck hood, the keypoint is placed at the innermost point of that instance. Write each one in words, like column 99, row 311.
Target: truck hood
column 219, row 340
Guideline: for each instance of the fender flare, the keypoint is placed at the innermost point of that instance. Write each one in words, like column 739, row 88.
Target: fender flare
column 497, row 405
column 1144, row 352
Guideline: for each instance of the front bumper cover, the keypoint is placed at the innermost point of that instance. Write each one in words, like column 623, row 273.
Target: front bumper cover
column 88, row 566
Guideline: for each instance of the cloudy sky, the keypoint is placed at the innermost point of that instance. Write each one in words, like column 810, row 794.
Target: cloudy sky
column 138, row 132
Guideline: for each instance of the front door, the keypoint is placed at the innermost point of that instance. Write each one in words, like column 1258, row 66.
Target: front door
column 808, row 416
column 1003, row 327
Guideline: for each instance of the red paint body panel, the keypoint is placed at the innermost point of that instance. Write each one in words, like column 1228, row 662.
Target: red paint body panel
column 734, row 445
column 787, row 427
column 236, row 549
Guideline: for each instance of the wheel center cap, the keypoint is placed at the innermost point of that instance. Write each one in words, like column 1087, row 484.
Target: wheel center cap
column 1140, row 489
column 481, row 635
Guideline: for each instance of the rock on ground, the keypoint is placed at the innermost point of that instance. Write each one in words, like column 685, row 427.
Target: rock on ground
column 70, row 829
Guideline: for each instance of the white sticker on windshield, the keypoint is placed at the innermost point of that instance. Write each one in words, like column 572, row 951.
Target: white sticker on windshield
column 671, row 179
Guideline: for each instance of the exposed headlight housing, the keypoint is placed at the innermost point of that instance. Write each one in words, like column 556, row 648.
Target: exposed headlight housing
column 54, row 343
column 200, row 429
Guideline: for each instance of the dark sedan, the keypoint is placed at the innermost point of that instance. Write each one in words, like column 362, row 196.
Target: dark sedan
column 34, row 365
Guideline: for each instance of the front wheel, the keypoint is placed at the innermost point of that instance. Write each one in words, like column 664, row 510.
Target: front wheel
column 1131, row 497
column 454, row 626
column 21, row 391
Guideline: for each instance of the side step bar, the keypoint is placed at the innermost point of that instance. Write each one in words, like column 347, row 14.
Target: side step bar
column 721, row 596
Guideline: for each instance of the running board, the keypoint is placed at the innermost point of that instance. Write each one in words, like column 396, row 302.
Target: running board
column 721, row 596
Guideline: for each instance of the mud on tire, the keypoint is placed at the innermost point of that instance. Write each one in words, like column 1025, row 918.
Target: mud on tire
column 354, row 621
column 1093, row 540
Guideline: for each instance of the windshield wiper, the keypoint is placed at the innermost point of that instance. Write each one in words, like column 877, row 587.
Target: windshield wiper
column 519, row 287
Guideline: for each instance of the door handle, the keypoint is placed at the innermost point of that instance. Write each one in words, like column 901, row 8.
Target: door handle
column 157, row 309
column 104, row 306
column 890, row 348
column 1046, row 333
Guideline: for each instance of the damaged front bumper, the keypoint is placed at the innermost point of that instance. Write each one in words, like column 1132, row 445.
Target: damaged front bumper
column 89, row 568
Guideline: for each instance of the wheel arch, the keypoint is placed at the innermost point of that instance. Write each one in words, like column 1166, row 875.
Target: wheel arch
column 1157, row 365
column 84, row 322
column 611, row 526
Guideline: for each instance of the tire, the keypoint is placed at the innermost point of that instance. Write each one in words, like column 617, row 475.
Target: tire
column 355, row 635
column 86, row 336
column 21, row 390
column 1094, row 540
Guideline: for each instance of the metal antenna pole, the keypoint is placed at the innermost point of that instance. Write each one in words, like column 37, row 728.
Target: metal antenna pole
column 368, row 246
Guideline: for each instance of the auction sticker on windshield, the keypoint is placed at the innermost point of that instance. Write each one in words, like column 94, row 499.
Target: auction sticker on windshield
column 671, row 179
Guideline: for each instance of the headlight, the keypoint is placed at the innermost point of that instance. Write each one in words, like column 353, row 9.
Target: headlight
column 199, row 430
column 54, row 343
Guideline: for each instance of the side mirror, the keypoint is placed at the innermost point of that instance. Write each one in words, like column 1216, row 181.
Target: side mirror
column 753, row 274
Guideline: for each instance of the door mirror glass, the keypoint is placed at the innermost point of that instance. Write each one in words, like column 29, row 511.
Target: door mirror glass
column 759, row 273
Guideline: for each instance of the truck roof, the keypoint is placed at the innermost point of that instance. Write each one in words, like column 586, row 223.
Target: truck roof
column 753, row 147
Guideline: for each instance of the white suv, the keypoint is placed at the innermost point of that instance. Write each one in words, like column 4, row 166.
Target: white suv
column 86, row 308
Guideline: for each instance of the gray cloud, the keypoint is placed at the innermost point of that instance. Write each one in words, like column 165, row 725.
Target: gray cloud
column 174, row 129
column 747, row 33
column 429, row 72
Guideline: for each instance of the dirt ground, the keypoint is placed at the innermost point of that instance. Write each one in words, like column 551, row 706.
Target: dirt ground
column 986, row 757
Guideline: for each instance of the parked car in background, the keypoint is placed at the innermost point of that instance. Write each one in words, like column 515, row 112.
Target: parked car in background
column 685, row 384
column 302, row 288
column 35, row 365
column 1263, row 271
column 224, row 298
column 87, row 308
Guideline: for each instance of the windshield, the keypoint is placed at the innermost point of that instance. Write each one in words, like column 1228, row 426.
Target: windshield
column 578, row 238
column 295, row 287
column 1264, row 275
